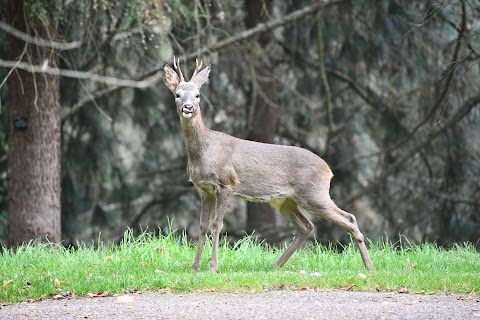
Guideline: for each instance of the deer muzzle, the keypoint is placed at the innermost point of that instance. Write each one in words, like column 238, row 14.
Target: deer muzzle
column 188, row 110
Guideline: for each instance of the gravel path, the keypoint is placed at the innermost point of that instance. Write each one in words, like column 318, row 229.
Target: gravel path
column 307, row 304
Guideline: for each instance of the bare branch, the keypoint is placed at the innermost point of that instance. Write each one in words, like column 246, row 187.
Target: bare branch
column 267, row 26
column 67, row 113
column 147, row 82
column 39, row 41
column 260, row 28
column 442, row 100
column 434, row 133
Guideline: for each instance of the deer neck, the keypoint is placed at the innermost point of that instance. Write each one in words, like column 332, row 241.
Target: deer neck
column 195, row 135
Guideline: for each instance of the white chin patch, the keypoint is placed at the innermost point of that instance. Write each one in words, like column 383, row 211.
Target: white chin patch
column 187, row 115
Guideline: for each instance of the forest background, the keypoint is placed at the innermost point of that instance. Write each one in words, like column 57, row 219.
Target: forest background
column 387, row 92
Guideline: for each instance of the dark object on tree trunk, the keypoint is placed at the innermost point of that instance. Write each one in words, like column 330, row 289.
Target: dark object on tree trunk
column 20, row 123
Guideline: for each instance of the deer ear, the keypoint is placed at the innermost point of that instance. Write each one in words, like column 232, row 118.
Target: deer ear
column 170, row 78
column 200, row 78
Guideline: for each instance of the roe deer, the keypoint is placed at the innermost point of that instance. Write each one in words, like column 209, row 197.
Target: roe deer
column 291, row 179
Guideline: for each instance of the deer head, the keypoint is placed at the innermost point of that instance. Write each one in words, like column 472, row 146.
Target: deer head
column 187, row 94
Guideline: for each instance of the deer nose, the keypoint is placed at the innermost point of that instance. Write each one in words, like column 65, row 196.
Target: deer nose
column 187, row 108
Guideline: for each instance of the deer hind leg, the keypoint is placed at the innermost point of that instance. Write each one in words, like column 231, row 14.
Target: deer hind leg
column 223, row 198
column 290, row 210
column 329, row 211
column 208, row 205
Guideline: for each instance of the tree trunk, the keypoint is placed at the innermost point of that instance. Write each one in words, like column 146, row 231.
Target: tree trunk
column 34, row 139
column 260, row 216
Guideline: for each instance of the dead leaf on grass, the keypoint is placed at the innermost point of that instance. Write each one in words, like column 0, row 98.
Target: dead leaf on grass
column 6, row 283
column 63, row 295
column 402, row 290
column 133, row 291
column 350, row 287
column 97, row 294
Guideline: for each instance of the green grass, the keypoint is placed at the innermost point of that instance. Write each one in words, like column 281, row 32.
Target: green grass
column 150, row 263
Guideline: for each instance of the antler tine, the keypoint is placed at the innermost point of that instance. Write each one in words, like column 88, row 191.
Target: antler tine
column 176, row 65
column 197, row 67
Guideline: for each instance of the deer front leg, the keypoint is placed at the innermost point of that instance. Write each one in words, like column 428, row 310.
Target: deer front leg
column 223, row 198
column 208, row 205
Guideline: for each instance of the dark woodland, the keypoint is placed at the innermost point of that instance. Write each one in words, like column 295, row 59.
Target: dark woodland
column 386, row 91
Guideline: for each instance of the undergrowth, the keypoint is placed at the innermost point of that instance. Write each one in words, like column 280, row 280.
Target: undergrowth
column 152, row 262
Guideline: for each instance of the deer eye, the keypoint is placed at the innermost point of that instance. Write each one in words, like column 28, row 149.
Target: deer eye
column 197, row 96
column 177, row 95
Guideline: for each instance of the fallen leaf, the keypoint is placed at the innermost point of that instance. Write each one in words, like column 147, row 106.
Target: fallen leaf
column 98, row 294
column 57, row 297
column 315, row 274
column 56, row 282
column 6, row 282
column 70, row 294
column 158, row 271
column 350, row 287
column 414, row 302
column 102, row 294
column 165, row 290
column 362, row 275
column 133, row 291
column 402, row 290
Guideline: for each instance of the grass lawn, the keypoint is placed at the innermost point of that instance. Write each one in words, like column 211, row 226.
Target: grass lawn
column 151, row 263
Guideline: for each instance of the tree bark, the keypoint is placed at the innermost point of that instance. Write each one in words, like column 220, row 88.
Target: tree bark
column 34, row 139
column 260, row 216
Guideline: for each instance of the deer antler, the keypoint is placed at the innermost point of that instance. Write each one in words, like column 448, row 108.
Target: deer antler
column 197, row 67
column 176, row 65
